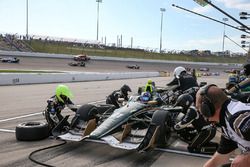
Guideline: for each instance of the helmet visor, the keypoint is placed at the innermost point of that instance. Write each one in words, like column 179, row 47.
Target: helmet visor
column 145, row 98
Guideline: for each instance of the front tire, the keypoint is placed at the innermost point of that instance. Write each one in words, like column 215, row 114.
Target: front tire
column 162, row 118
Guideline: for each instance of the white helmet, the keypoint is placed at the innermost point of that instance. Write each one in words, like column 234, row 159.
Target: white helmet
column 178, row 71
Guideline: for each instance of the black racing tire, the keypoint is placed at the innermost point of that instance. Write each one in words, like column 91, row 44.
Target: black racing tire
column 87, row 112
column 162, row 118
column 32, row 131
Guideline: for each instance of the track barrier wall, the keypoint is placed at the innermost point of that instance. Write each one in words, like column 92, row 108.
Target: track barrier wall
column 35, row 78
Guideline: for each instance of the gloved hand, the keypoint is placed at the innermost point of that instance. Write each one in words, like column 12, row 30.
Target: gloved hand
column 54, row 117
column 237, row 95
column 74, row 109
column 177, row 126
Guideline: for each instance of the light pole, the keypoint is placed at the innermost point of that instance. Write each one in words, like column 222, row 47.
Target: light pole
column 223, row 40
column 27, row 19
column 97, row 29
column 162, row 10
column 245, row 15
column 244, row 45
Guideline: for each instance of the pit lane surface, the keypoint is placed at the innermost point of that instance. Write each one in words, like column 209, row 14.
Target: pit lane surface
column 24, row 100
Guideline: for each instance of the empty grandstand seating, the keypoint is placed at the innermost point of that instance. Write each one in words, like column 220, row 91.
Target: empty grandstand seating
column 12, row 43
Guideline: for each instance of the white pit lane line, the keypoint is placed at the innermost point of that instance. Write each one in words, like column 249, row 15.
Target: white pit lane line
column 30, row 115
column 22, row 116
column 14, row 118
column 7, row 130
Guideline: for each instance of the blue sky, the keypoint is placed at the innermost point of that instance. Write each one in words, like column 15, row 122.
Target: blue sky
column 140, row 19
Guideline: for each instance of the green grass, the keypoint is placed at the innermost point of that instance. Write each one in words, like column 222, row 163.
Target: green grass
column 64, row 48
column 27, row 71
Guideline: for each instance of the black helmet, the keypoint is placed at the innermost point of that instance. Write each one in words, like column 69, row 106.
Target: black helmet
column 185, row 101
column 125, row 89
column 246, row 68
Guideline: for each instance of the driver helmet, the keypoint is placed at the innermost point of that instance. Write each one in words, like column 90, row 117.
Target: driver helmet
column 125, row 89
column 242, row 78
column 178, row 71
column 233, row 78
column 185, row 101
column 145, row 97
column 63, row 93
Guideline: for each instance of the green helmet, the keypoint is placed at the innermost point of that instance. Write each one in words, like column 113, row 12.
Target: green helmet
column 63, row 90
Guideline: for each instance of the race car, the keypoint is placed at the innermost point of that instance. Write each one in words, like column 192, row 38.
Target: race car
column 10, row 60
column 82, row 57
column 80, row 64
column 233, row 71
column 135, row 126
column 204, row 69
column 133, row 66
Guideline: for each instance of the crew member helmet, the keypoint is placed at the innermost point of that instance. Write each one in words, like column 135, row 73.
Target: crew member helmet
column 125, row 89
column 63, row 93
column 150, row 81
column 178, row 71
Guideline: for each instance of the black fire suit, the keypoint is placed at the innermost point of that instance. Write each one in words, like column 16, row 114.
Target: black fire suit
column 205, row 131
column 185, row 82
column 114, row 97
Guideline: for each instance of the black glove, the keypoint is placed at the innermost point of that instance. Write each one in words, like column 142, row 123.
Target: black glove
column 237, row 95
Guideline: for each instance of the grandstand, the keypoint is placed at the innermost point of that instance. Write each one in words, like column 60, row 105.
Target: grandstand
column 14, row 43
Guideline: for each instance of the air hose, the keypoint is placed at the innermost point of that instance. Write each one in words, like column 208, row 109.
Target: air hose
column 45, row 148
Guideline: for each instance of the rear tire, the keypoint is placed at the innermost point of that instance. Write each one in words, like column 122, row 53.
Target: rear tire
column 162, row 118
column 32, row 131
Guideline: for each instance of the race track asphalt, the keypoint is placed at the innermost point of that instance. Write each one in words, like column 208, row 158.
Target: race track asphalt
column 19, row 102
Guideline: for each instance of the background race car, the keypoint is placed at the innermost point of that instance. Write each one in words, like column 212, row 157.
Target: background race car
column 133, row 66
column 79, row 64
column 10, row 60
column 82, row 57
column 204, row 69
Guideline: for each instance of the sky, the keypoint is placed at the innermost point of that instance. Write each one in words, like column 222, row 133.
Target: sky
column 137, row 19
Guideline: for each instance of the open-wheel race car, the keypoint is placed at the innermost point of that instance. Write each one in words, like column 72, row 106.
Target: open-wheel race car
column 133, row 66
column 9, row 60
column 136, row 125
column 75, row 64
